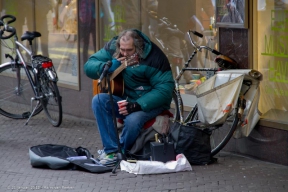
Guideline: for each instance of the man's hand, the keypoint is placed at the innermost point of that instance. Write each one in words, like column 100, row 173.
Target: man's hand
column 121, row 59
column 126, row 108
column 116, row 63
column 114, row 66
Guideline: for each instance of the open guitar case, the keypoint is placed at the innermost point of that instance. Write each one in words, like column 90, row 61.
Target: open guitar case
column 63, row 157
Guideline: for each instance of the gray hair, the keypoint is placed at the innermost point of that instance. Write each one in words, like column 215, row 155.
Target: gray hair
column 137, row 41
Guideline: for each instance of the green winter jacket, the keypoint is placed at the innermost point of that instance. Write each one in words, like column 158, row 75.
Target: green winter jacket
column 149, row 83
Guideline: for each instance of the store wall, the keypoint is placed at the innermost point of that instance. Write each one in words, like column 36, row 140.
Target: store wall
column 265, row 143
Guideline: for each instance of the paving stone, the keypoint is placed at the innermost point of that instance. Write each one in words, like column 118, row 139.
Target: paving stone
column 232, row 172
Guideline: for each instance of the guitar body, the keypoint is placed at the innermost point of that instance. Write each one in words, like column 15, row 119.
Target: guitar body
column 96, row 89
column 117, row 86
column 117, row 83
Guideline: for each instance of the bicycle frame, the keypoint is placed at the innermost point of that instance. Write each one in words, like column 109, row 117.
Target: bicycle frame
column 186, row 68
column 19, row 54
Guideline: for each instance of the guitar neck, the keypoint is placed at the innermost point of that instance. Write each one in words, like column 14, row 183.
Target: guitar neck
column 132, row 60
column 118, row 70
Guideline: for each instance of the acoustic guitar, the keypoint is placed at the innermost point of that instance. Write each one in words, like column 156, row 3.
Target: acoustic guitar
column 116, row 80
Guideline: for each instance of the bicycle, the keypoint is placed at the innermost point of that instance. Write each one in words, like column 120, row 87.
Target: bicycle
column 17, row 75
column 221, row 134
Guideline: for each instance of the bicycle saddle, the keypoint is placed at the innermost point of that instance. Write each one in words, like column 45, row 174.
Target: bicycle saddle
column 226, row 62
column 30, row 35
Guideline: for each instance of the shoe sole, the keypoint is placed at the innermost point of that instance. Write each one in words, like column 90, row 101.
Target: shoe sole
column 110, row 164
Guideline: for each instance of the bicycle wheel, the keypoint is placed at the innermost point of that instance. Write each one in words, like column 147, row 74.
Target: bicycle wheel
column 220, row 135
column 16, row 92
column 51, row 101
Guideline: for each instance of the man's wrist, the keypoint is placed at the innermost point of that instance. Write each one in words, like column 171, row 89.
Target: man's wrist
column 133, row 107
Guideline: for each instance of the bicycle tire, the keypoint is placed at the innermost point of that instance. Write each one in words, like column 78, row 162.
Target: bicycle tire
column 15, row 101
column 174, row 109
column 220, row 135
column 51, row 101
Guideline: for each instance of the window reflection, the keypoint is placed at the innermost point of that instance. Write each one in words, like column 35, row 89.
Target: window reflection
column 272, row 58
column 87, row 25
column 166, row 22
column 56, row 20
column 118, row 15
column 43, row 22
column 62, row 37
column 167, row 25
column 231, row 11
column 22, row 23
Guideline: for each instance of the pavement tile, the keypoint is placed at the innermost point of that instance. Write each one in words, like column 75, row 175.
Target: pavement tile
column 232, row 172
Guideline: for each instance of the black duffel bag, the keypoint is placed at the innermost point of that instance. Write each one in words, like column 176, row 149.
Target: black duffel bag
column 193, row 142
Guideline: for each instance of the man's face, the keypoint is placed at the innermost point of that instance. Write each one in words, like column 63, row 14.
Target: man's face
column 126, row 47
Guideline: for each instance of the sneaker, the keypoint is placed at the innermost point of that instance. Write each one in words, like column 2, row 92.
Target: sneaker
column 101, row 154
column 109, row 160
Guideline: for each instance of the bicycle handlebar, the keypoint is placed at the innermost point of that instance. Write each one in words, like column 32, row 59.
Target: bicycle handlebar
column 223, row 61
column 198, row 47
column 7, row 28
column 12, row 18
column 198, row 34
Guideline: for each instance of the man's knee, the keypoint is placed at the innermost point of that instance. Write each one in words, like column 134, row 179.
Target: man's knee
column 99, row 98
column 133, row 123
column 135, row 119
column 95, row 100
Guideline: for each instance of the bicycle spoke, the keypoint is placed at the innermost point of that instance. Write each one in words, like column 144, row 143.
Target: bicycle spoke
column 51, row 101
column 13, row 104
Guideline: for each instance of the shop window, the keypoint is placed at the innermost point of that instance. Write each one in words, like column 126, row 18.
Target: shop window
column 57, row 22
column 58, row 26
column 117, row 15
column 272, row 52
column 167, row 23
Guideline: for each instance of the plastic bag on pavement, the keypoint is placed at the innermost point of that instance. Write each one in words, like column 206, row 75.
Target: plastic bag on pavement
column 156, row 167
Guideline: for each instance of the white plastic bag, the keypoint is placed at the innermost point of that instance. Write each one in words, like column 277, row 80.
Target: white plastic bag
column 251, row 113
column 217, row 96
column 222, row 90
column 156, row 167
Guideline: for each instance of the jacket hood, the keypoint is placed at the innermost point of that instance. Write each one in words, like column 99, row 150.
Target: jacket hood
column 147, row 44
